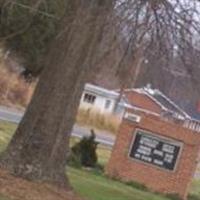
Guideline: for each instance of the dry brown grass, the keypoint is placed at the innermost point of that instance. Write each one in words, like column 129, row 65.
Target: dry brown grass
column 14, row 91
column 106, row 122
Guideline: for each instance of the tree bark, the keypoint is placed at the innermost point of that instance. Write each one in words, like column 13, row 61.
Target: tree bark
column 38, row 149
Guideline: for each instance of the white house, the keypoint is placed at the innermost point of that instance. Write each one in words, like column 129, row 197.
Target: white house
column 101, row 100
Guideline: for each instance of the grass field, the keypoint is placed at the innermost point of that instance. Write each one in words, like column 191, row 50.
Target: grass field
column 6, row 132
column 3, row 198
column 93, row 185
column 195, row 188
column 96, row 187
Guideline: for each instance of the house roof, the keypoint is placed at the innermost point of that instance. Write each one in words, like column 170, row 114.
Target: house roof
column 139, row 99
column 126, row 105
column 101, row 91
column 160, row 99
column 192, row 110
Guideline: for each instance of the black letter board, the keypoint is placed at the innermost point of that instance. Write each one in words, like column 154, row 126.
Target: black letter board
column 155, row 150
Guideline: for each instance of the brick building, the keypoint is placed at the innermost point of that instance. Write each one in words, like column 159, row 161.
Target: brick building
column 155, row 152
column 155, row 101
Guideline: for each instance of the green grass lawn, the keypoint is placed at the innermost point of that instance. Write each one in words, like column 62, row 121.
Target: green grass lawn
column 3, row 198
column 94, row 186
column 6, row 132
column 97, row 187
column 195, row 188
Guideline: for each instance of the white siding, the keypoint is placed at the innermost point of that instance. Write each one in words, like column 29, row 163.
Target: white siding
column 99, row 104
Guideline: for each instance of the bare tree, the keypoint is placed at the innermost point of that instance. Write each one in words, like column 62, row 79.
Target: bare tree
column 159, row 30
column 39, row 147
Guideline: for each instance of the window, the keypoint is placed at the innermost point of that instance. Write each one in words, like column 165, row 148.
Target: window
column 107, row 104
column 89, row 98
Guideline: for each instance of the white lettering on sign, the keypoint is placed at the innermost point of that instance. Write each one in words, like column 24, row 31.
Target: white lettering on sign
column 149, row 142
column 158, row 162
column 155, row 150
column 145, row 158
column 168, row 158
column 144, row 150
column 137, row 155
column 168, row 148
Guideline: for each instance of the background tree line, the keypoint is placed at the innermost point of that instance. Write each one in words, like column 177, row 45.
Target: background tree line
column 27, row 27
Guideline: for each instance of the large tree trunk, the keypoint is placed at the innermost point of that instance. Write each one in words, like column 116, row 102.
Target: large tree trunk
column 38, row 150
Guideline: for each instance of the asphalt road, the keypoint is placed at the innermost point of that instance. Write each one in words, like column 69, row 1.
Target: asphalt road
column 102, row 137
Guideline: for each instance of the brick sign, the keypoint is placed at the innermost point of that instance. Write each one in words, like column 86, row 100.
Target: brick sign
column 155, row 150
column 161, row 155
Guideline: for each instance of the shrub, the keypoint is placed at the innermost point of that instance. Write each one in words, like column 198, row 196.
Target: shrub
column 84, row 152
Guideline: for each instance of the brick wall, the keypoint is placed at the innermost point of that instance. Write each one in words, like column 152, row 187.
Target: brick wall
column 155, row 178
column 143, row 101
